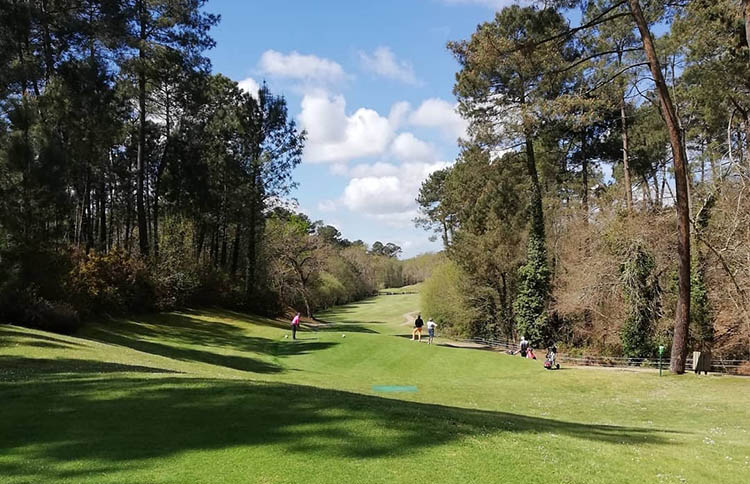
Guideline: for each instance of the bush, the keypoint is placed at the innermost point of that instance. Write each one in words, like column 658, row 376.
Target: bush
column 110, row 283
column 643, row 295
column 444, row 298
column 530, row 305
column 58, row 317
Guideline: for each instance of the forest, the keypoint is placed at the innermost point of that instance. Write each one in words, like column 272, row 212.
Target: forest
column 601, row 199
column 133, row 179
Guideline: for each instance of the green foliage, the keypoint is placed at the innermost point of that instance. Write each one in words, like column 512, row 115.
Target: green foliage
column 701, row 314
column 111, row 283
column 642, row 293
column 443, row 297
column 532, row 296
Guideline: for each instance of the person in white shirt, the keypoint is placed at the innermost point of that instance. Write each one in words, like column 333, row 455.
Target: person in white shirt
column 431, row 330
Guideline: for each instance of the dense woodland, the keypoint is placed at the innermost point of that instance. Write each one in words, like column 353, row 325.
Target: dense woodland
column 132, row 178
column 602, row 198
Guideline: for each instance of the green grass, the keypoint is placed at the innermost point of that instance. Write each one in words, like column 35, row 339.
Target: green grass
column 217, row 396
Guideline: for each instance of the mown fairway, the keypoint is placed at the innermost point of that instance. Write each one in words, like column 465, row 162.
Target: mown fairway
column 215, row 396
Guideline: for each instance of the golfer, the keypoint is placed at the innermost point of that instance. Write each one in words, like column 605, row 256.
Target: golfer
column 295, row 326
column 418, row 323
column 524, row 347
column 430, row 330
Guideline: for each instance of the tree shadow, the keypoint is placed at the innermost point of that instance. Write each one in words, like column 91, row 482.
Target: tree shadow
column 184, row 338
column 21, row 368
column 176, row 415
column 330, row 326
column 11, row 335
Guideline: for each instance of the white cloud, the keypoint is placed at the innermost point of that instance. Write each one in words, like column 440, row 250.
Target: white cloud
column 327, row 206
column 438, row 113
column 399, row 113
column 383, row 62
column 387, row 192
column 334, row 136
column 379, row 169
column 301, row 67
column 494, row 4
column 250, row 86
column 407, row 147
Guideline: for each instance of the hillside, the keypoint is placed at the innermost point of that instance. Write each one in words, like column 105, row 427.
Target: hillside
column 217, row 396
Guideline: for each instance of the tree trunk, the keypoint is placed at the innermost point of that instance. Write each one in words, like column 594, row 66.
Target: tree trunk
column 251, row 249
column 647, row 192
column 584, row 179
column 625, row 157
column 102, row 215
column 252, row 234
column 537, row 210
column 224, row 246
column 307, row 303
column 746, row 10
column 49, row 63
column 682, row 314
column 236, row 250
column 88, row 218
column 140, row 208
column 200, row 240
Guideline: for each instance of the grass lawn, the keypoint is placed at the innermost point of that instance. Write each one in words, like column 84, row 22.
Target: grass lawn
column 218, row 396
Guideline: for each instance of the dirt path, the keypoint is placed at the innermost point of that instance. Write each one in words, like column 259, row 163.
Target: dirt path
column 409, row 318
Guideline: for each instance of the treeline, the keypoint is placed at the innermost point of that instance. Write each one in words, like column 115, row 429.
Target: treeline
column 133, row 179
column 601, row 199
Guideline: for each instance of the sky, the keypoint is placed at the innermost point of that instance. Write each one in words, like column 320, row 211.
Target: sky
column 371, row 83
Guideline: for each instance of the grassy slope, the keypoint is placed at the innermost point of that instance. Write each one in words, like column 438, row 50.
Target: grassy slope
column 213, row 396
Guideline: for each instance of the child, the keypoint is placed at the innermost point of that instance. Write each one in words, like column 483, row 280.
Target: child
column 431, row 330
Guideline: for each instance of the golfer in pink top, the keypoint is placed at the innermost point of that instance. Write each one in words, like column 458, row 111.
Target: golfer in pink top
column 295, row 326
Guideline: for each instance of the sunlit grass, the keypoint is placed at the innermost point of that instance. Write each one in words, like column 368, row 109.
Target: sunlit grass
column 217, row 396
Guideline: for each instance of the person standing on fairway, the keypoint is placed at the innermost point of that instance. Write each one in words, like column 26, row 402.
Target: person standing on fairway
column 430, row 330
column 524, row 347
column 418, row 323
column 295, row 326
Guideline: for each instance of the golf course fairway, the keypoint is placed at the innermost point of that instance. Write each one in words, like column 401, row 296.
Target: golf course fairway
column 218, row 396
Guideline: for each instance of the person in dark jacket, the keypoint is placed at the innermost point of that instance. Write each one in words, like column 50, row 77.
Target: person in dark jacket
column 417, row 332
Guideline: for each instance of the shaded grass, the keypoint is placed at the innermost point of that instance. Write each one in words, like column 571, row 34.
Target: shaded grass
column 207, row 396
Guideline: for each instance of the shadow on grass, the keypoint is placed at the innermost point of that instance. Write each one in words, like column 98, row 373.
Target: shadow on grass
column 20, row 368
column 117, row 421
column 11, row 335
column 185, row 338
column 331, row 326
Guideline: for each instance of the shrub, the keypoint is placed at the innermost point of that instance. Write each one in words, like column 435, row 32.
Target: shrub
column 111, row 283
column 444, row 298
column 58, row 317
column 643, row 294
column 530, row 305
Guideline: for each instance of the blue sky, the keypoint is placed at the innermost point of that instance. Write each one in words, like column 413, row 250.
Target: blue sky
column 371, row 81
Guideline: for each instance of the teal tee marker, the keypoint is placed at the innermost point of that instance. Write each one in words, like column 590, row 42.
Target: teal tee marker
column 394, row 388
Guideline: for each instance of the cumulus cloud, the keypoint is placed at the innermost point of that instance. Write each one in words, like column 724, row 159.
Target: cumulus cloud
column 439, row 113
column 300, row 67
column 383, row 62
column 335, row 136
column 399, row 113
column 250, row 86
column 408, row 147
column 387, row 192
